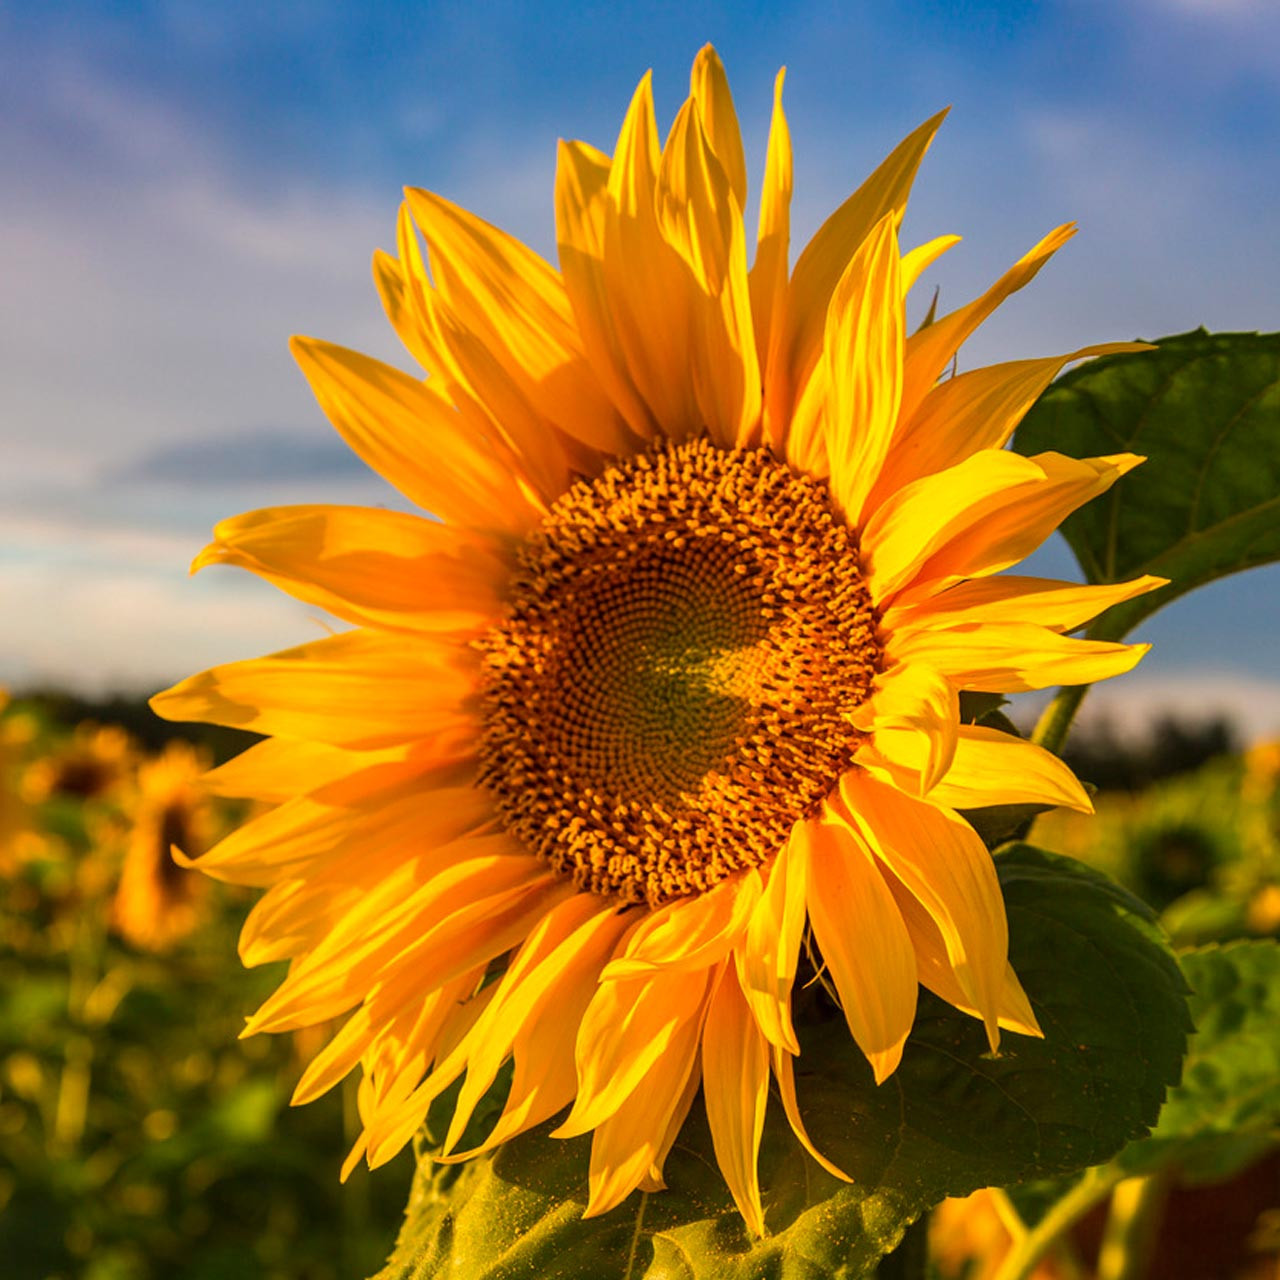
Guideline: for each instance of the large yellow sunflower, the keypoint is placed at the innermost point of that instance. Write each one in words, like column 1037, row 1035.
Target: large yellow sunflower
column 670, row 671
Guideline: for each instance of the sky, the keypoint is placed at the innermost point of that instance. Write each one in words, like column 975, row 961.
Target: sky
column 184, row 185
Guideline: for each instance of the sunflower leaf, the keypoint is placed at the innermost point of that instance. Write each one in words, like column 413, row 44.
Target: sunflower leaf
column 1205, row 410
column 1109, row 996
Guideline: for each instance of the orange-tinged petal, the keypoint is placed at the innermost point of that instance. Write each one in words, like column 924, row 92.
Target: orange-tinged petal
column 414, row 438
column 368, row 565
column 631, row 1140
column 735, row 1084
column 863, row 942
column 653, row 1180
column 768, row 955
column 824, row 260
column 626, row 1029
column 278, row 769
column 1013, row 657
column 943, row 863
column 693, row 932
column 920, row 706
column 361, row 689
column 936, row 972
column 988, row 768
column 863, row 355
column 1060, row 606
column 784, row 1071
column 929, row 350
column 976, row 410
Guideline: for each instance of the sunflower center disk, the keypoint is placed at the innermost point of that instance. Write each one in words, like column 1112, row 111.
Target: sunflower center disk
column 688, row 636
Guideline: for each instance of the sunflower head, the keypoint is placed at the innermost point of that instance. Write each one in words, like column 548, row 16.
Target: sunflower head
column 666, row 676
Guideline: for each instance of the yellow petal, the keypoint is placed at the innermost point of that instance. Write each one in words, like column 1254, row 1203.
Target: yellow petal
column 735, row 1084
column 653, row 1180
column 929, row 350
column 989, row 768
column 1013, row 657
column 935, row 970
column 625, row 1031
column 918, row 707
column 1060, row 606
column 630, row 1141
column 514, row 305
column 863, row 942
column 784, row 1071
column 368, row 565
column 768, row 955
column 863, row 355
column 905, row 531
column 977, row 410
column 279, row 769
column 416, row 440
column 709, row 89
column 582, row 205
column 922, row 257
column 768, row 276
column 361, row 689
column 946, row 867
column 690, row 933
column 825, row 258
column 702, row 220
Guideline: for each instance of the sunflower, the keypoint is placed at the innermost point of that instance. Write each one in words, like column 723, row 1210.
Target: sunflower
column 674, row 671
column 157, row 902
column 95, row 763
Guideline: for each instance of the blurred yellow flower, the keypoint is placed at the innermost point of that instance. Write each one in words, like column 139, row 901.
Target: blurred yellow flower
column 676, row 669
column 95, row 763
column 157, row 901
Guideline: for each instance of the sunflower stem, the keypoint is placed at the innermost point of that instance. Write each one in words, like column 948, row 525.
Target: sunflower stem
column 1055, row 721
column 1021, row 1261
column 1128, row 1242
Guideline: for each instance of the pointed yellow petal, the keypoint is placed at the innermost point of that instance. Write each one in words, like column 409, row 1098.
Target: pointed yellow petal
column 989, row 768
column 582, row 208
column 863, row 941
column 625, row 1031
column 1012, row 657
column 1060, row 606
column 911, row 526
column 279, row 769
column 863, row 355
column 935, row 970
column 735, row 1084
column 922, row 257
column 768, row 955
column 943, row 863
column 653, row 1180
column 824, row 260
column 977, row 410
column 413, row 438
column 784, row 1071
column 929, row 351
column 768, row 277
column 918, row 706
column 709, row 88
column 359, row 689
column 368, row 565
column 690, row 933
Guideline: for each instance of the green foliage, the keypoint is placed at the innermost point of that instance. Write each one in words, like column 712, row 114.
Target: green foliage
column 1226, row 1111
column 953, row 1118
column 1205, row 410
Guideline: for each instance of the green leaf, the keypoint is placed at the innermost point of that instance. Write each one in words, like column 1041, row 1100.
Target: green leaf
column 1109, row 996
column 1205, row 410
column 1226, row 1111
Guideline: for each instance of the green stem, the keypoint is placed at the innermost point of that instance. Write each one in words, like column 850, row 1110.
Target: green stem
column 1051, row 729
column 1026, row 1254
column 1137, row 1206
column 910, row 1260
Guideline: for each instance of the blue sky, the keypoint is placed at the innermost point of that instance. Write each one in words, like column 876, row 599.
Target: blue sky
column 183, row 185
